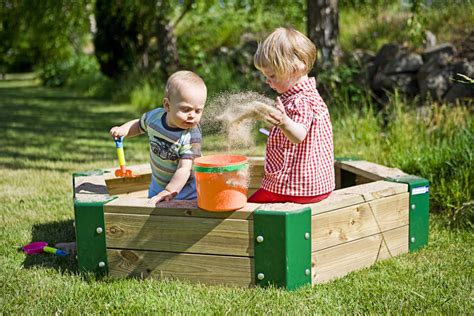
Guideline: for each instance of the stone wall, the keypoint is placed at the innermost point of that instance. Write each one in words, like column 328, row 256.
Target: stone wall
column 432, row 74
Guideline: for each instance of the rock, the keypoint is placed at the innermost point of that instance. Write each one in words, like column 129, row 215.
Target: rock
column 387, row 53
column 446, row 48
column 430, row 39
column 434, row 76
column 460, row 91
column 463, row 67
column 406, row 63
column 405, row 82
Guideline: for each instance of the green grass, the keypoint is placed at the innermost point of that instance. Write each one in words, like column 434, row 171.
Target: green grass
column 371, row 26
column 48, row 134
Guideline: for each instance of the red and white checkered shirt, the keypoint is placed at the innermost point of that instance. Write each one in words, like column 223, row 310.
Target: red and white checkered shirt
column 307, row 168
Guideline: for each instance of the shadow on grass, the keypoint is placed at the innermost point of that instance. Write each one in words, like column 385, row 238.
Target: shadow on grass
column 52, row 233
column 48, row 125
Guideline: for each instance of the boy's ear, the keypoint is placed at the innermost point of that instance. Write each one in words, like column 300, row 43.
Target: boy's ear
column 166, row 104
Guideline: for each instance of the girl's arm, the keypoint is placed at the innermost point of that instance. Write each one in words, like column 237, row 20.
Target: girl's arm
column 295, row 132
column 129, row 129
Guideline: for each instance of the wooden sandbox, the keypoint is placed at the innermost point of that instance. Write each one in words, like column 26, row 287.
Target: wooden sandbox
column 375, row 213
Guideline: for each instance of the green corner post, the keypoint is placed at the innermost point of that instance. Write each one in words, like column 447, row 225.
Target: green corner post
column 282, row 241
column 419, row 205
column 90, row 231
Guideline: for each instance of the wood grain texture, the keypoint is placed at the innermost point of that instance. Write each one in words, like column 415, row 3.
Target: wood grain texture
column 207, row 269
column 185, row 208
column 180, row 234
column 354, row 222
column 338, row 261
column 369, row 170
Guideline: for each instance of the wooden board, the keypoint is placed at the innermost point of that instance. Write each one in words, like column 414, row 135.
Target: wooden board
column 345, row 197
column 344, row 225
column 180, row 234
column 207, row 269
column 130, row 205
column 338, row 261
column 90, row 188
column 369, row 170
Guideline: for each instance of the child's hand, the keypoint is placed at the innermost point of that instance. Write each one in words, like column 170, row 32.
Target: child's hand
column 164, row 196
column 278, row 119
column 118, row 131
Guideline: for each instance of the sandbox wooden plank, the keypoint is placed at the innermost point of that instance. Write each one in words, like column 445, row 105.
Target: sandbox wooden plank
column 180, row 234
column 358, row 221
column 90, row 188
column 137, row 170
column 376, row 190
column 369, row 170
column 338, row 261
column 345, row 197
column 207, row 269
column 130, row 205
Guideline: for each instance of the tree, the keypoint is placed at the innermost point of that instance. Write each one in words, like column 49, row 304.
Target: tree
column 138, row 35
column 41, row 32
column 323, row 29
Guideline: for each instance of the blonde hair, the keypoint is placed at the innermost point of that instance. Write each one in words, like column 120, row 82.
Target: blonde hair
column 179, row 80
column 286, row 52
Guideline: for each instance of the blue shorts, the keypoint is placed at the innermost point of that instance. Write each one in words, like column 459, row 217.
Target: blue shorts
column 187, row 193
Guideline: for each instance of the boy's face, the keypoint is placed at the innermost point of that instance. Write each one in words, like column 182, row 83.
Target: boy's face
column 185, row 107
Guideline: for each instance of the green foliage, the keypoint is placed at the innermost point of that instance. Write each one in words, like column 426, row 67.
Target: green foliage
column 48, row 134
column 63, row 72
column 38, row 32
column 146, row 97
column 345, row 85
column 394, row 22
column 433, row 142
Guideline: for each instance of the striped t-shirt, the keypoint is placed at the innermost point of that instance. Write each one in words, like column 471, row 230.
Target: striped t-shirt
column 168, row 145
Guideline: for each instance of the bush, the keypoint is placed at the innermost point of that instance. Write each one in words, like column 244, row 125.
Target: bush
column 60, row 73
column 146, row 97
column 433, row 142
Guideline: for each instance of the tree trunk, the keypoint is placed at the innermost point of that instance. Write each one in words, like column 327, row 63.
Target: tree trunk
column 167, row 47
column 323, row 29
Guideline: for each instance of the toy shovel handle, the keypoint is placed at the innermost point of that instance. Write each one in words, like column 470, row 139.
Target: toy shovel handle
column 120, row 152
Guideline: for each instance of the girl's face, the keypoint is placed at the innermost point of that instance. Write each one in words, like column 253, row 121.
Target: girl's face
column 280, row 85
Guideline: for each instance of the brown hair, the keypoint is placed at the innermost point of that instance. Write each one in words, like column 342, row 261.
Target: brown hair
column 286, row 52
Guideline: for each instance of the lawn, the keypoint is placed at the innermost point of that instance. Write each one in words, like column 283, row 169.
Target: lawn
column 47, row 134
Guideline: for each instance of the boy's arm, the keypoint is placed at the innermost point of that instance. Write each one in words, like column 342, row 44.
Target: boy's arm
column 129, row 129
column 295, row 132
column 177, row 182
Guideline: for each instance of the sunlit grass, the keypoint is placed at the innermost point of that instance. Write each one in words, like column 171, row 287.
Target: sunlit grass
column 66, row 134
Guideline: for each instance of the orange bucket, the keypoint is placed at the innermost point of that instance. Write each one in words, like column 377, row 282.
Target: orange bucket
column 221, row 182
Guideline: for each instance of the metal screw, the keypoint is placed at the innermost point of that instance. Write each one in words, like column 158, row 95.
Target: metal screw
column 259, row 238
column 306, row 236
column 76, row 257
column 413, row 206
column 307, row 272
column 260, row 276
column 412, row 239
column 99, row 230
column 101, row 264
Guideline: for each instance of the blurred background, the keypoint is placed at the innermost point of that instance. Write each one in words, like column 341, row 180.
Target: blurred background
column 396, row 75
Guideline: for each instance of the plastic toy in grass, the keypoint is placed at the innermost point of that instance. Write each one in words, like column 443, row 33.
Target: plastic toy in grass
column 123, row 171
column 40, row 247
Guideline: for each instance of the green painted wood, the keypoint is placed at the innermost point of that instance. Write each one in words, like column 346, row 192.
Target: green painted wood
column 282, row 243
column 419, row 210
column 90, row 235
